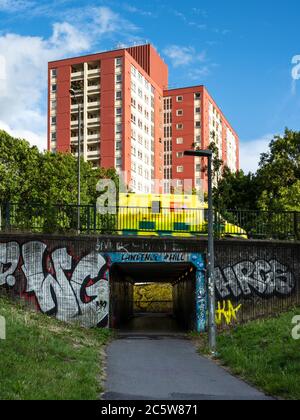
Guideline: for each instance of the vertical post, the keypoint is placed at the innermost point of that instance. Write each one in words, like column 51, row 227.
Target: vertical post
column 78, row 169
column 211, row 264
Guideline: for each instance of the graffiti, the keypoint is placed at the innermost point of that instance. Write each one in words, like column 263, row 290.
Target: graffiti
column 227, row 312
column 9, row 259
column 153, row 257
column 262, row 278
column 68, row 289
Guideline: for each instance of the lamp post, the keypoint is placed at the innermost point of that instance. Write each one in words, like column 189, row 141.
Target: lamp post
column 72, row 92
column 212, row 331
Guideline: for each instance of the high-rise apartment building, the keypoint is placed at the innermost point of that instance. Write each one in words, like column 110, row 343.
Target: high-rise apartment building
column 121, row 100
column 131, row 121
column 192, row 120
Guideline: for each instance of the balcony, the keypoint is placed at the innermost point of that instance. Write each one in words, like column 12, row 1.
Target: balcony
column 95, row 120
column 77, row 75
column 93, row 104
column 93, row 136
column 94, row 88
column 93, row 153
column 94, row 71
column 74, row 123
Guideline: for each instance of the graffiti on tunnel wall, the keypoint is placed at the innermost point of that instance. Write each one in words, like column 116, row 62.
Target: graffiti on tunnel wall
column 261, row 277
column 64, row 286
column 227, row 312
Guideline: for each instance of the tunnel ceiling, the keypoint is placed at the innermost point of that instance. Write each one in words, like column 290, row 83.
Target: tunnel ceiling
column 164, row 273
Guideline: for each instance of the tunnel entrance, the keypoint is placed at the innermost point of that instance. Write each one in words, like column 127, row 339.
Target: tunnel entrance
column 158, row 295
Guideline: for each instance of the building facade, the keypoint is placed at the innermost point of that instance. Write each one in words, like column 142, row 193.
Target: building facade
column 192, row 120
column 131, row 121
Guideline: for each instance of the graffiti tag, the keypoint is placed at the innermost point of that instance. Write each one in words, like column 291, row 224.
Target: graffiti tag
column 263, row 278
column 227, row 312
column 65, row 288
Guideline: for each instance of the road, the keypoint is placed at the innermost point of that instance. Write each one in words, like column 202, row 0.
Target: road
column 158, row 367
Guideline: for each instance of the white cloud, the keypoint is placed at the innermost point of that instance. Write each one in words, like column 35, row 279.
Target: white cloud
column 23, row 67
column 183, row 56
column 23, row 92
column 132, row 9
column 107, row 22
column 250, row 152
column 35, row 139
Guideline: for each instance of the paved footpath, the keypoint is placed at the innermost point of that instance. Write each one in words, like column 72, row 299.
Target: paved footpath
column 167, row 368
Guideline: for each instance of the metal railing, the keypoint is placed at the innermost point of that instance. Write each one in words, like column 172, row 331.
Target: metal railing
column 142, row 221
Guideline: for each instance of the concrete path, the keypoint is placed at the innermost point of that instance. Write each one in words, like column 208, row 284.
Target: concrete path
column 165, row 368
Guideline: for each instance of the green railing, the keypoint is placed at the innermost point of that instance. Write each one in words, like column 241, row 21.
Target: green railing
column 142, row 221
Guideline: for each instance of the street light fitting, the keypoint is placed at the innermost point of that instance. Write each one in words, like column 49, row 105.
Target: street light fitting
column 198, row 153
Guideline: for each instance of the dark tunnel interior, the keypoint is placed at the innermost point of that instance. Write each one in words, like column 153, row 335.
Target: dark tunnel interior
column 178, row 317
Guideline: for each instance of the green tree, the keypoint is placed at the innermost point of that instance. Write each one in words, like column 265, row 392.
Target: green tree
column 237, row 191
column 279, row 174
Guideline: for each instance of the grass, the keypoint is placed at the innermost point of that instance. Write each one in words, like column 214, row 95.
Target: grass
column 45, row 359
column 264, row 354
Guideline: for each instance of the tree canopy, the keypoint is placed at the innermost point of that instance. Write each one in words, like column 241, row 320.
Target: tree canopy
column 274, row 187
column 27, row 175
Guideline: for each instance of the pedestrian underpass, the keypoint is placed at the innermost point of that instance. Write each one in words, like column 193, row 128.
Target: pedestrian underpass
column 184, row 272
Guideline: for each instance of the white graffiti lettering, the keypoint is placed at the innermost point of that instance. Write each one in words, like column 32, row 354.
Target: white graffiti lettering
column 67, row 289
column 263, row 278
column 9, row 259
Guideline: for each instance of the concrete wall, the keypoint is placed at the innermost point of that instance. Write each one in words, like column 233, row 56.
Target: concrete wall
column 184, row 297
column 69, row 277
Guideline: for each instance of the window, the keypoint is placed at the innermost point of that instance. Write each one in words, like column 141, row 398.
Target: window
column 119, row 61
column 179, row 98
column 119, row 161
column 179, row 169
column 179, row 154
column 198, row 167
column 179, row 126
column 53, row 120
column 198, row 124
column 53, row 104
column 53, row 136
column 197, row 95
column 133, row 70
column 118, row 145
column 179, row 112
column 197, row 110
column 118, row 95
column 118, row 112
column 119, row 128
column 119, row 78
column 53, row 88
column 53, row 73
column 155, row 207
column 179, row 140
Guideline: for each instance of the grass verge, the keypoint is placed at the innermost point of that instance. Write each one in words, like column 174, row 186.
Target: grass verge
column 45, row 359
column 263, row 353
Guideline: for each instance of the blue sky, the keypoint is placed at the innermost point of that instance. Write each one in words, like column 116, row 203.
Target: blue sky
column 242, row 52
